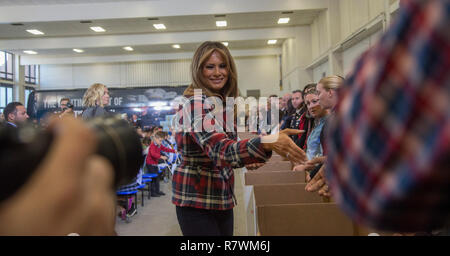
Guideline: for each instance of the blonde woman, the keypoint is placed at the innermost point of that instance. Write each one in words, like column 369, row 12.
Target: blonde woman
column 203, row 184
column 327, row 90
column 94, row 100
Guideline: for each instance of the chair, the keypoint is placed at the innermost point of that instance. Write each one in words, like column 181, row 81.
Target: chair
column 129, row 195
column 147, row 180
column 142, row 188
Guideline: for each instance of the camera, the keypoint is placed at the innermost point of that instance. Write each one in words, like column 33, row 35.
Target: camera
column 69, row 105
column 22, row 149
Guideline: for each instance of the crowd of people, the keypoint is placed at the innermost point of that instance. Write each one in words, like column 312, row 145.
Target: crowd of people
column 377, row 142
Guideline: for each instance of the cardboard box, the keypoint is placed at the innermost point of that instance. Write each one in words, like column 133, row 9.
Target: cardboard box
column 277, row 158
column 288, row 210
column 284, row 194
column 318, row 219
column 275, row 166
column 266, row 178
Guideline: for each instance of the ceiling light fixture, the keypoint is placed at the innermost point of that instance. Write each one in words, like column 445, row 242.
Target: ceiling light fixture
column 30, row 52
column 35, row 32
column 159, row 26
column 225, row 43
column 221, row 23
column 272, row 41
column 128, row 48
column 176, row 46
column 98, row 29
column 283, row 20
column 78, row 50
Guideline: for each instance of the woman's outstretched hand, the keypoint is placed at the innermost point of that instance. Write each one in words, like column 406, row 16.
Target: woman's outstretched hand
column 284, row 146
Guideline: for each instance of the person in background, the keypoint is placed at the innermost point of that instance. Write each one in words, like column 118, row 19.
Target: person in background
column 301, row 118
column 389, row 143
column 135, row 121
column 65, row 108
column 314, row 147
column 15, row 113
column 152, row 159
column 95, row 99
column 327, row 90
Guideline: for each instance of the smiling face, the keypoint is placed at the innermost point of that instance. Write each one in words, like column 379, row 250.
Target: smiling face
column 215, row 72
column 313, row 104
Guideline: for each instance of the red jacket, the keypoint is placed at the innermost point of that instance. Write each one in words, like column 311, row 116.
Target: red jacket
column 154, row 153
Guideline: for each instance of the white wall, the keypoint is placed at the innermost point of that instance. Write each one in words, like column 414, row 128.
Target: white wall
column 253, row 73
column 296, row 55
column 352, row 54
column 319, row 70
column 134, row 74
column 259, row 73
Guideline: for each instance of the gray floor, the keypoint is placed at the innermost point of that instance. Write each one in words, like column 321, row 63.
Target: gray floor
column 158, row 217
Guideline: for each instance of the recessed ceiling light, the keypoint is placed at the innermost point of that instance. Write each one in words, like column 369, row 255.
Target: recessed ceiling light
column 272, row 42
column 176, row 46
column 221, row 23
column 283, row 20
column 78, row 50
column 128, row 48
column 225, row 43
column 98, row 29
column 35, row 32
column 159, row 26
column 30, row 52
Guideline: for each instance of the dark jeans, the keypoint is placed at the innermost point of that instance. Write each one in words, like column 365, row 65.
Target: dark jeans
column 201, row 222
column 155, row 181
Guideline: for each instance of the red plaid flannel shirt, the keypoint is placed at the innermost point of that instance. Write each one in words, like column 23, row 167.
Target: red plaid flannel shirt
column 205, row 178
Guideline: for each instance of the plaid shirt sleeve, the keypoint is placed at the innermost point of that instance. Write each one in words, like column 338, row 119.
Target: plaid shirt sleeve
column 220, row 148
column 389, row 141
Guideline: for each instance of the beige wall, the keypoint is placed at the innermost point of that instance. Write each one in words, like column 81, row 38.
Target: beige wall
column 253, row 73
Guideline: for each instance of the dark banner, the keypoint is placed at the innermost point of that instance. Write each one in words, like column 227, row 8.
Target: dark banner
column 151, row 104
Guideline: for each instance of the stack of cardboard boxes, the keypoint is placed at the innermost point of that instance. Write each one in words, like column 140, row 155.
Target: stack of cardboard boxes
column 284, row 208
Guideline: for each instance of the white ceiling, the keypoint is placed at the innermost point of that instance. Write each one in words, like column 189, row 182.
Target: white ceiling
column 51, row 2
column 143, row 25
column 245, row 30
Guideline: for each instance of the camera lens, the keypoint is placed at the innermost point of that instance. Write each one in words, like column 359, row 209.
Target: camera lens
column 121, row 145
column 22, row 149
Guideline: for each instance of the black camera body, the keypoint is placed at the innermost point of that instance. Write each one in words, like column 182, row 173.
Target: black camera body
column 69, row 105
column 23, row 148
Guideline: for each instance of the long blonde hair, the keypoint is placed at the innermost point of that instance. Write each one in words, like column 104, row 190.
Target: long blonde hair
column 93, row 96
column 202, row 54
column 332, row 82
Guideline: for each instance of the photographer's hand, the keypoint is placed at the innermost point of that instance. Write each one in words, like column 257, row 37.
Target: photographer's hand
column 70, row 192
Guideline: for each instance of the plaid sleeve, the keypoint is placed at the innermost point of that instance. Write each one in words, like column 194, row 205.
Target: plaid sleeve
column 389, row 141
column 221, row 149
